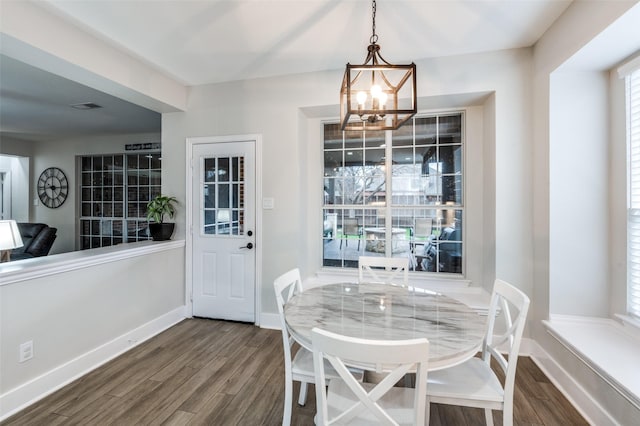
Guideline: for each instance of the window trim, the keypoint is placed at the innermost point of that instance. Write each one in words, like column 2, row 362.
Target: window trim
column 389, row 207
column 630, row 71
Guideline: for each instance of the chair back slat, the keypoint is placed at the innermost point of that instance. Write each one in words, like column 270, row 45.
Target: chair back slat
column 512, row 305
column 384, row 270
column 400, row 356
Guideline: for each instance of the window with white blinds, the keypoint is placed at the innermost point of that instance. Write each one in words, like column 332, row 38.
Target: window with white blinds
column 633, row 222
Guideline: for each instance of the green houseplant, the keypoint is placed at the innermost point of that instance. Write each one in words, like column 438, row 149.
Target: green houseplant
column 157, row 209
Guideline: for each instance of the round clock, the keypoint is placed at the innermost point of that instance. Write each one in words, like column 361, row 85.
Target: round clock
column 53, row 187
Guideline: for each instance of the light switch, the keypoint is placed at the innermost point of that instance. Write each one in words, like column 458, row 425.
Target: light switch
column 267, row 203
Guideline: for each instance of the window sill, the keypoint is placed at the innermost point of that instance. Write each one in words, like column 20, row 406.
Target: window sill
column 608, row 347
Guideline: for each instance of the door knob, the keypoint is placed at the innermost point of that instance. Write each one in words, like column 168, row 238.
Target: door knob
column 248, row 246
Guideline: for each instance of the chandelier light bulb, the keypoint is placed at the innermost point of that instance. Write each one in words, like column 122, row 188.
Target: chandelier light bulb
column 362, row 97
column 375, row 91
column 383, row 99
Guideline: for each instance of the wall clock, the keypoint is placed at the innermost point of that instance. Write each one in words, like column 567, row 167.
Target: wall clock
column 53, row 187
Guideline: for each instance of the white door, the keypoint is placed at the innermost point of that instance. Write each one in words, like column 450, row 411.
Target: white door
column 224, row 230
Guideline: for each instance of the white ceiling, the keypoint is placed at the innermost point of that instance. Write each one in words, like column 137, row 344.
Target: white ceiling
column 200, row 42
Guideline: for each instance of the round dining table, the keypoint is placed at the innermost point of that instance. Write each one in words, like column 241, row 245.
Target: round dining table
column 389, row 312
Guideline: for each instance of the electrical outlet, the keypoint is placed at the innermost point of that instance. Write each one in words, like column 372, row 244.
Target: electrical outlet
column 25, row 351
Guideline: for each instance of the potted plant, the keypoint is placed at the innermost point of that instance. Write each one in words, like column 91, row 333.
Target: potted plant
column 157, row 209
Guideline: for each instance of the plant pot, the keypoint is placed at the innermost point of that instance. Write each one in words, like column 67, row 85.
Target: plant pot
column 161, row 231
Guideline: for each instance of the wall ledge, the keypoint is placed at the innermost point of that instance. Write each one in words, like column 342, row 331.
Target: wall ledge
column 24, row 270
column 606, row 346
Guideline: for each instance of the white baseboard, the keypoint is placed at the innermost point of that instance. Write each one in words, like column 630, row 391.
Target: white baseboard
column 588, row 407
column 24, row 395
column 270, row 321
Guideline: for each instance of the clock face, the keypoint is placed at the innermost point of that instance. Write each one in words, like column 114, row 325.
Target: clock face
column 53, row 187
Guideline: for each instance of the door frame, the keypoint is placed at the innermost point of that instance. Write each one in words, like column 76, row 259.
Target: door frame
column 202, row 140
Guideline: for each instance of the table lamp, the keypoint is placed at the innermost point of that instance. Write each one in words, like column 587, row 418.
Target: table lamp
column 9, row 239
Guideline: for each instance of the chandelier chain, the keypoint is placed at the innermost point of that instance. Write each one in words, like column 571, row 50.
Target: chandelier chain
column 374, row 36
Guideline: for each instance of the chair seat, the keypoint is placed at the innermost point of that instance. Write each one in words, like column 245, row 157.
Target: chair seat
column 397, row 402
column 469, row 381
column 302, row 367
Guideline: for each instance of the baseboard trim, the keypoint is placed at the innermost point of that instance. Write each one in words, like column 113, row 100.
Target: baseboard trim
column 24, row 395
column 588, row 407
column 270, row 321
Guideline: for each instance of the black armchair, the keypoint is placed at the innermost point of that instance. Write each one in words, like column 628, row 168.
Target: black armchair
column 37, row 239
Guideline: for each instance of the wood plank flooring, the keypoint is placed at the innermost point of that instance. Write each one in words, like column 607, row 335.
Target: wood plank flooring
column 206, row 372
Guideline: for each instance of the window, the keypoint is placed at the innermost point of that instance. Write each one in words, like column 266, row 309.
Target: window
column 115, row 190
column 633, row 204
column 395, row 194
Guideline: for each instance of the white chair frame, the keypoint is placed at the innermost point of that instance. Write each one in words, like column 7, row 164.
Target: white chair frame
column 357, row 398
column 300, row 367
column 473, row 383
column 396, row 269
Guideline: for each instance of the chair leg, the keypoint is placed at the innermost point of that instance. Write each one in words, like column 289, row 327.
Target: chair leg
column 427, row 412
column 302, row 398
column 288, row 398
column 488, row 416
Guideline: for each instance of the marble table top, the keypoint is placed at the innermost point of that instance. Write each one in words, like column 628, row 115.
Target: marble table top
column 389, row 312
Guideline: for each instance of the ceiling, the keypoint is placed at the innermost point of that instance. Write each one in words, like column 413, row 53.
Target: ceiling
column 201, row 42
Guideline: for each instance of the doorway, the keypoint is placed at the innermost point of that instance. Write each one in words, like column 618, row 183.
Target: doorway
column 223, row 239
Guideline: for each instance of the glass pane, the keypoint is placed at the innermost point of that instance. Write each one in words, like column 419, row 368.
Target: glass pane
column 333, row 163
column 234, row 168
column 143, row 177
column 154, row 177
column 86, row 179
column 353, row 140
column 332, row 136
column 209, row 169
column 132, row 162
column 132, row 194
column 223, row 170
column 86, row 164
column 223, row 195
column 118, row 210
column 209, row 222
column 155, row 161
column 374, row 139
column 143, row 194
column 403, row 136
column 425, row 130
column 209, row 196
column 332, row 191
column 235, row 195
column 97, row 163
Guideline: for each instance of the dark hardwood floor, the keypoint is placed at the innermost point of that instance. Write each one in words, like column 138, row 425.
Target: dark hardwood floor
column 205, row 372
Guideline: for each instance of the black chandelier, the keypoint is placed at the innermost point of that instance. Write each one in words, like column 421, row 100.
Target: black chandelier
column 377, row 95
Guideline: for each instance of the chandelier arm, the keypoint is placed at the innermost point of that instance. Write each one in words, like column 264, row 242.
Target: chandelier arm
column 381, row 58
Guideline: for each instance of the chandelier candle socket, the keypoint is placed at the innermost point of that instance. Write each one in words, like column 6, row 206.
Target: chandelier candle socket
column 377, row 95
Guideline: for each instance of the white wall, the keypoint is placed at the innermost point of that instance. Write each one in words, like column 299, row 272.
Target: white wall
column 72, row 314
column 16, row 195
column 291, row 163
column 556, row 289
column 579, row 188
column 62, row 154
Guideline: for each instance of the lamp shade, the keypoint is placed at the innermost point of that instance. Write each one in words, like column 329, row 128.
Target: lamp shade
column 9, row 235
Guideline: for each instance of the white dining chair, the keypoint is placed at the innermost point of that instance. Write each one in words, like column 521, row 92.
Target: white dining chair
column 347, row 401
column 473, row 383
column 300, row 367
column 386, row 270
